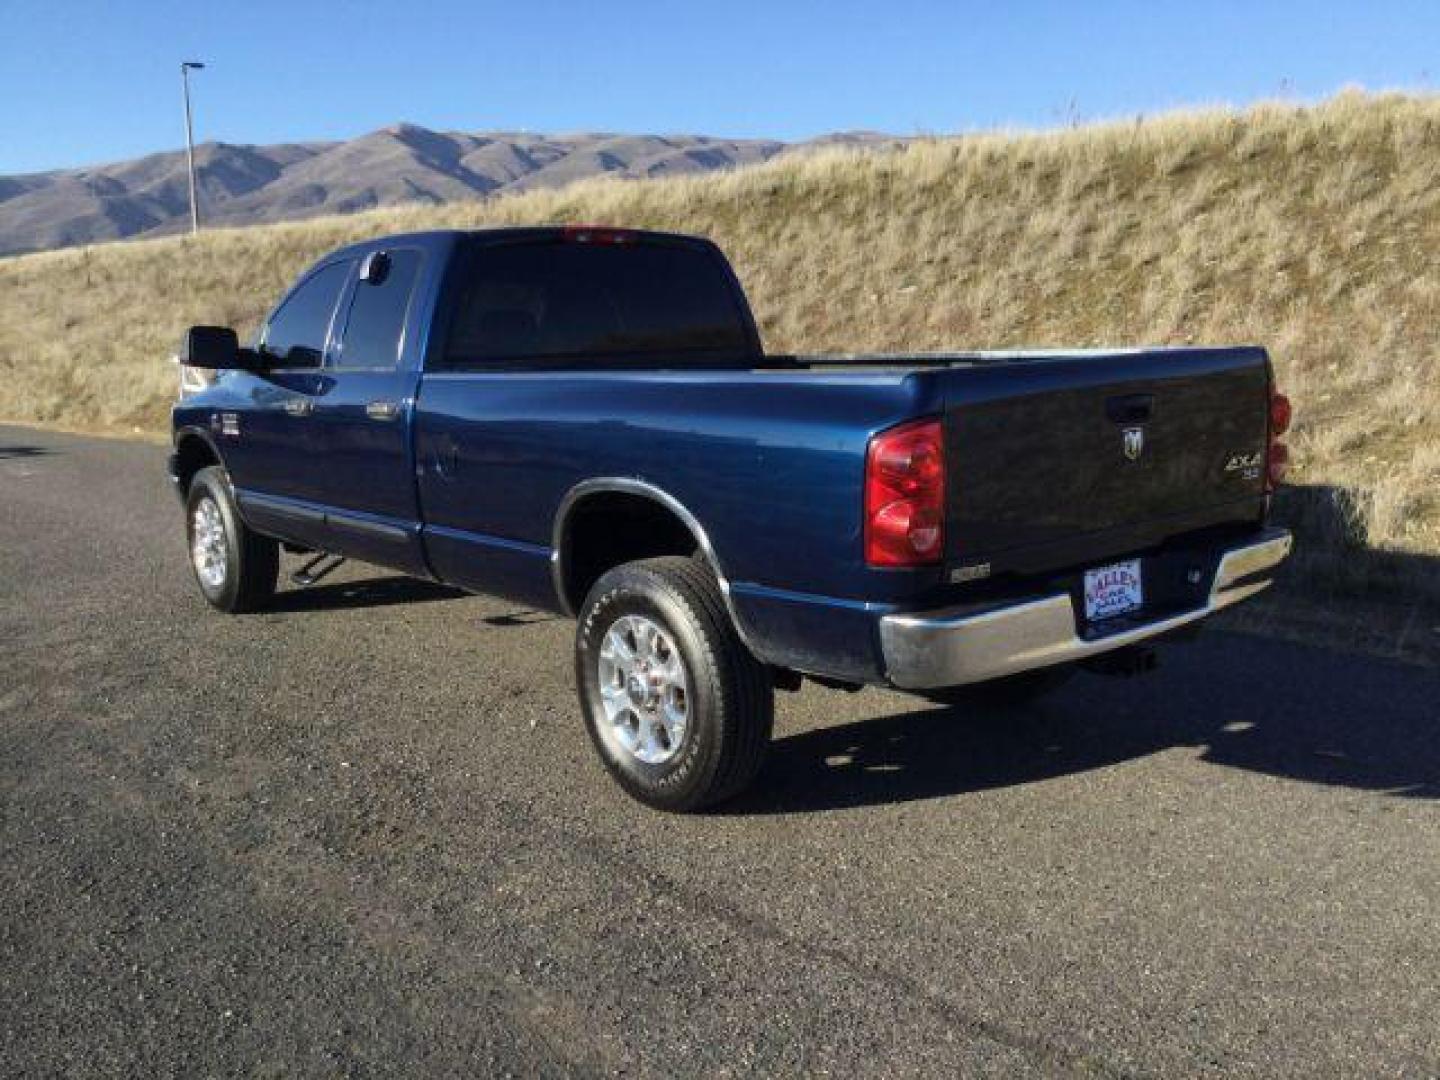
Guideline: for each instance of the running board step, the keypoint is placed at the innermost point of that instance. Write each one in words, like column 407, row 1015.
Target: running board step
column 313, row 571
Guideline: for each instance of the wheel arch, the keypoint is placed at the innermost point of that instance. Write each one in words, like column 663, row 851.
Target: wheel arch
column 194, row 450
column 589, row 493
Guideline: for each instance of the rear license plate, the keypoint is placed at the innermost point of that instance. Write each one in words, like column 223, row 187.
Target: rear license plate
column 1112, row 590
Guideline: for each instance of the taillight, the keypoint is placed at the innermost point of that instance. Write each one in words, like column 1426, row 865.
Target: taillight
column 1279, row 413
column 1277, row 455
column 905, row 496
column 591, row 234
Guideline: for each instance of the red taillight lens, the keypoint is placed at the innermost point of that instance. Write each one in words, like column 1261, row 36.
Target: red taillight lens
column 905, row 496
column 1279, row 414
column 1277, row 454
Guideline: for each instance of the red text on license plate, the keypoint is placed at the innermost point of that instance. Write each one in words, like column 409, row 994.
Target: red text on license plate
column 1113, row 590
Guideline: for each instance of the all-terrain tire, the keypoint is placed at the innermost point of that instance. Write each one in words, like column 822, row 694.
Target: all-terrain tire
column 239, row 573
column 729, row 698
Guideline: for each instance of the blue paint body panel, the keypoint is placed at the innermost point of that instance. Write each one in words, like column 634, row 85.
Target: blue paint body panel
column 769, row 462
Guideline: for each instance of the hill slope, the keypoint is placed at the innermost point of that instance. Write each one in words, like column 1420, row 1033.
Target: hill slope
column 1315, row 231
column 246, row 185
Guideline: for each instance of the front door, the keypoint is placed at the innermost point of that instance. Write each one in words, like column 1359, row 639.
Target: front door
column 268, row 443
column 362, row 414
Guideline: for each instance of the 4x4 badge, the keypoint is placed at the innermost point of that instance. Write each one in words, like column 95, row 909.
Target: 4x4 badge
column 1134, row 443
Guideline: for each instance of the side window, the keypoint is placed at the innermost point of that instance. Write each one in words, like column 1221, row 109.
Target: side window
column 377, row 312
column 295, row 335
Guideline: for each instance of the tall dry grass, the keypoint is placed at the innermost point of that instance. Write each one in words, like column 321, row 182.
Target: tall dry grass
column 1313, row 230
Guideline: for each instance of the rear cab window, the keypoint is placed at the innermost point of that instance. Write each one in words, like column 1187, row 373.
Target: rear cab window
column 558, row 304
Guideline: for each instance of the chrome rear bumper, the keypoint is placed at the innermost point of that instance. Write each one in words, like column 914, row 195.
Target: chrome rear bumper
column 951, row 647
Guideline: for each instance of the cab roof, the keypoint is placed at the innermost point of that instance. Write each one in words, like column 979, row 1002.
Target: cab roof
column 434, row 238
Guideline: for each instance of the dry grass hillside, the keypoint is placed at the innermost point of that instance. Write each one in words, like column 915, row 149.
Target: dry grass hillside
column 1313, row 230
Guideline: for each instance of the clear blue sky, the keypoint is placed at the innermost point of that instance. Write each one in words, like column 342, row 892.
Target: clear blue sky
column 87, row 81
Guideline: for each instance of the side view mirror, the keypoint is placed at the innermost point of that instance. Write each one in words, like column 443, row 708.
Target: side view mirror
column 375, row 268
column 214, row 347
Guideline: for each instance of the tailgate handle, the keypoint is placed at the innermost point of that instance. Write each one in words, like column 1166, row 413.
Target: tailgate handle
column 1130, row 408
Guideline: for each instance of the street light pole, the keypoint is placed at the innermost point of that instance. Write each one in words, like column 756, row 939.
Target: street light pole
column 186, row 66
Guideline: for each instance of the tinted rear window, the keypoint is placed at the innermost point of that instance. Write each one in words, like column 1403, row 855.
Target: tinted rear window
column 577, row 304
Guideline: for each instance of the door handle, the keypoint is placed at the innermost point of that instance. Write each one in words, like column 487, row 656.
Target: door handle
column 382, row 410
column 299, row 406
column 446, row 457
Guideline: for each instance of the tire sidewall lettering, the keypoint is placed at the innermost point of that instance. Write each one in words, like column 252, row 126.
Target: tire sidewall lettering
column 626, row 598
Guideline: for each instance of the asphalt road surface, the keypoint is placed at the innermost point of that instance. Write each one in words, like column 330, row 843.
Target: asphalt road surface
column 365, row 834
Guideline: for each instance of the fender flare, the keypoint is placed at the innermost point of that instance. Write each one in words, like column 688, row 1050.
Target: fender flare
column 626, row 485
column 193, row 431
column 207, row 437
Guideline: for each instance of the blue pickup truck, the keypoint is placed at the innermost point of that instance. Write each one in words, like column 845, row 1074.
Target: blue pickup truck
column 584, row 420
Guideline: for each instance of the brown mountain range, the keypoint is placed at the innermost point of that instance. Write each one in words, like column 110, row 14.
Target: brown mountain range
column 405, row 163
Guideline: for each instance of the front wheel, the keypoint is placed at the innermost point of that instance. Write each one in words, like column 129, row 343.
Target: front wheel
column 677, row 707
column 235, row 567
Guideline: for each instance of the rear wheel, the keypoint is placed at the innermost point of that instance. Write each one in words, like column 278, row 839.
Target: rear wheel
column 235, row 567
column 678, row 709
column 1011, row 690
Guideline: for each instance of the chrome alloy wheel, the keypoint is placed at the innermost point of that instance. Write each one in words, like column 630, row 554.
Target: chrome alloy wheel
column 645, row 690
column 209, row 550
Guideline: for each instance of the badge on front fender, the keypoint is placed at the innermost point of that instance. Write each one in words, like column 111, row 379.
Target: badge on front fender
column 226, row 423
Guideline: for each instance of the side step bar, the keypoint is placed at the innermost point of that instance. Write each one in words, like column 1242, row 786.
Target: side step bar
column 313, row 571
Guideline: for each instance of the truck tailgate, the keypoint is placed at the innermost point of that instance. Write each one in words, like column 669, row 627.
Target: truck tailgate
column 1057, row 460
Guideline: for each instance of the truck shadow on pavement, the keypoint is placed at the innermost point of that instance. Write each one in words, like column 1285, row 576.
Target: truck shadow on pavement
column 1372, row 730
column 361, row 593
column 385, row 591
column 1242, row 701
column 8, row 451
column 1332, row 550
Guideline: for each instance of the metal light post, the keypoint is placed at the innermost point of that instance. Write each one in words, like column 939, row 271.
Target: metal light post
column 186, row 66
